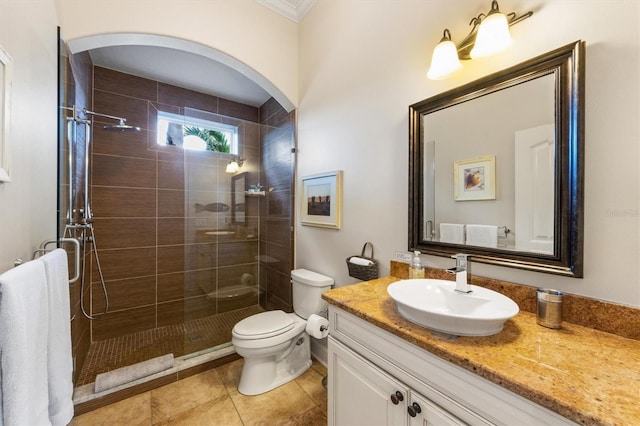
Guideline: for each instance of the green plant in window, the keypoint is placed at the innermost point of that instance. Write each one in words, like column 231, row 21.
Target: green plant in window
column 215, row 140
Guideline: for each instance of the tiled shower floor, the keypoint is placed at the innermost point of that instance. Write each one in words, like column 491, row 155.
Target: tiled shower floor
column 179, row 339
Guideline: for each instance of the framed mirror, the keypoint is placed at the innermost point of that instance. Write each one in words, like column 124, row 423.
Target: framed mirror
column 238, row 205
column 496, row 167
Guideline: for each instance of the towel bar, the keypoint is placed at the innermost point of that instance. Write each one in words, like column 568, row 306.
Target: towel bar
column 43, row 249
column 503, row 229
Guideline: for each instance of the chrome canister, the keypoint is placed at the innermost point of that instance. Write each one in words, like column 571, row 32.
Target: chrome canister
column 549, row 304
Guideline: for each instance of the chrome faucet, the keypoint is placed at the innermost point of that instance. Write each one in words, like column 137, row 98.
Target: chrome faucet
column 462, row 268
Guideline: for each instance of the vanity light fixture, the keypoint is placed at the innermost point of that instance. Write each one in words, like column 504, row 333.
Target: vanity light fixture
column 489, row 34
column 444, row 60
column 493, row 33
column 234, row 165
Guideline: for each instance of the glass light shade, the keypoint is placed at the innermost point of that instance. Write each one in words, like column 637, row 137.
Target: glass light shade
column 493, row 36
column 444, row 60
column 232, row 167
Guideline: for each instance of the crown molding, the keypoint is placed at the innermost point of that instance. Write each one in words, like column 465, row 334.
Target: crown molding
column 294, row 10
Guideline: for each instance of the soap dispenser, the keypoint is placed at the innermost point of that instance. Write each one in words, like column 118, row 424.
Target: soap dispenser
column 415, row 269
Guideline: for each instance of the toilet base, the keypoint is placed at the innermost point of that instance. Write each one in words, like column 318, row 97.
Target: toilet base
column 260, row 375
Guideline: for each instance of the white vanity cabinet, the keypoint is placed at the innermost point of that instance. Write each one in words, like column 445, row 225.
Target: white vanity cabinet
column 364, row 392
column 375, row 378
column 365, row 395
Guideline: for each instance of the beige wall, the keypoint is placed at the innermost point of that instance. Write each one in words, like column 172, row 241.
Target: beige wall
column 363, row 62
column 28, row 203
column 253, row 39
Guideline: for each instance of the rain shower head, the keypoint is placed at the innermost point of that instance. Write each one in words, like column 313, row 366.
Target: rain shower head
column 121, row 127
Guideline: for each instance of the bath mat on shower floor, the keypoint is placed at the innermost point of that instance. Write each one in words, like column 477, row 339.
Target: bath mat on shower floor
column 133, row 372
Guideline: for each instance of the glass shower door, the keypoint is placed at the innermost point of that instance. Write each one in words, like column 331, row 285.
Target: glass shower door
column 220, row 237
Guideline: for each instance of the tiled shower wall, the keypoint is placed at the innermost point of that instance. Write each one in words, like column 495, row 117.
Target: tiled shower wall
column 159, row 264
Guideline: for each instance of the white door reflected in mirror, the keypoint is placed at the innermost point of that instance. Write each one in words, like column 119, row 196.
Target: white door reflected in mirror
column 535, row 159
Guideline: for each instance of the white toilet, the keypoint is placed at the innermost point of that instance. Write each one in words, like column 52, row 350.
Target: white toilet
column 274, row 344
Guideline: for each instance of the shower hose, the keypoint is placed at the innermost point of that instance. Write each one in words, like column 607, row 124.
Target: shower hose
column 88, row 228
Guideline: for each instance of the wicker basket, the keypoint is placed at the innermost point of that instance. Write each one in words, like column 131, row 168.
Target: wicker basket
column 363, row 272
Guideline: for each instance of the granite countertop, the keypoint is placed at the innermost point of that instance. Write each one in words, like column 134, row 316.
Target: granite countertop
column 586, row 375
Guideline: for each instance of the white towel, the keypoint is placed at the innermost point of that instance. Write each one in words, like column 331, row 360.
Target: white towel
column 482, row 235
column 24, row 313
column 452, row 233
column 60, row 360
column 360, row 261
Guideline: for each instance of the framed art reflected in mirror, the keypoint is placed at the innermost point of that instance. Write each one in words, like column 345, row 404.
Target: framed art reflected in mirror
column 475, row 179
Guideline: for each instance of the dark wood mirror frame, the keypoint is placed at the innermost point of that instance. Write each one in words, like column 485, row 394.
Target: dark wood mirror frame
column 567, row 64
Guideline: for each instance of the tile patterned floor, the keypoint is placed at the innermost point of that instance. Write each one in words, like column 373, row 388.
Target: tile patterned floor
column 180, row 339
column 212, row 398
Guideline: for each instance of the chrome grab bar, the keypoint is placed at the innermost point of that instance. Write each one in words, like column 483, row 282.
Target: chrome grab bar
column 71, row 136
column 43, row 249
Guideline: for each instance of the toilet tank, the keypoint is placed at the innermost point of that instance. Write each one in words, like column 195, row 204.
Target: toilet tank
column 307, row 292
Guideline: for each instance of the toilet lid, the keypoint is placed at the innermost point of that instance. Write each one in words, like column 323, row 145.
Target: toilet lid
column 264, row 324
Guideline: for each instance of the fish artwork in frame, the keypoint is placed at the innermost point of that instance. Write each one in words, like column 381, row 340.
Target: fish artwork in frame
column 212, row 207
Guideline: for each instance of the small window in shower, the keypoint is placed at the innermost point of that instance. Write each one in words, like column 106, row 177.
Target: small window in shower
column 196, row 133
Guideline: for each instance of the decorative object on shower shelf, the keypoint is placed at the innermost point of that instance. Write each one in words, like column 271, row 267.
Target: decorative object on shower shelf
column 363, row 267
column 255, row 188
column 321, row 203
column 5, row 111
column 475, row 179
column 213, row 207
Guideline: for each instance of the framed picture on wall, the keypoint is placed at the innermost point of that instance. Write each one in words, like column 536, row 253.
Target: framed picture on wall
column 5, row 110
column 475, row 179
column 321, row 200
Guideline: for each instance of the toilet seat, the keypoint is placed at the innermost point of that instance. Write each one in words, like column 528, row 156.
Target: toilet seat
column 276, row 338
column 263, row 325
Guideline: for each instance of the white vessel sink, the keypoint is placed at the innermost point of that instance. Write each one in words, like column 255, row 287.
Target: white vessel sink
column 436, row 305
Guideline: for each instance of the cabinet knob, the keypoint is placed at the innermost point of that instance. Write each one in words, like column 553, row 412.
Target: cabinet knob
column 414, row 409
column 397, row 397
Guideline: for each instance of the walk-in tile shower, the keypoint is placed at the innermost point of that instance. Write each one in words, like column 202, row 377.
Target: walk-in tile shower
column 185, row 251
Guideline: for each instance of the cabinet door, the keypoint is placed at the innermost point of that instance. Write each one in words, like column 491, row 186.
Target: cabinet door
column 360, row 393
column 423, row 412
